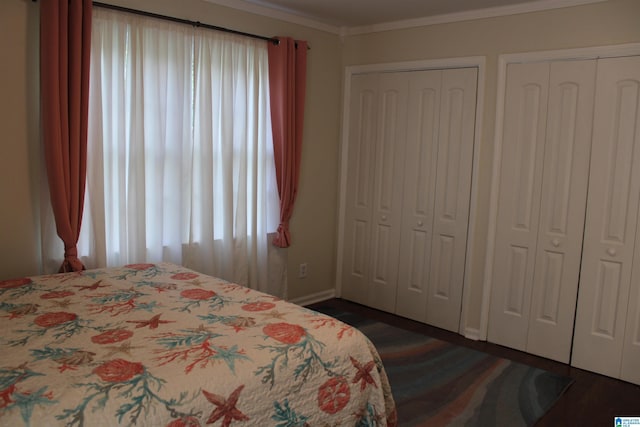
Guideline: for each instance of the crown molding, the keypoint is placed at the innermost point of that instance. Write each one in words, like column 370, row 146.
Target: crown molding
column 493, row 12
column 281, row 15
column 528, row 7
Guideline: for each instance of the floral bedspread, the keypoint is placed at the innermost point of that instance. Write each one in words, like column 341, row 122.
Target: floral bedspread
column 162, row 345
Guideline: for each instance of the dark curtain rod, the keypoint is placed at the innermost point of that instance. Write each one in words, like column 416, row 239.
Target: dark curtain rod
column 182, row 21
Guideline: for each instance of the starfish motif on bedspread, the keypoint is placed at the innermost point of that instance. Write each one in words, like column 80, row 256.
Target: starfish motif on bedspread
column 152, row 323
column 12, row 397
column 363, row 373
column 274, row 314
column 92, row 287
column 65, row 303
column 124, row 348
column 225, row 408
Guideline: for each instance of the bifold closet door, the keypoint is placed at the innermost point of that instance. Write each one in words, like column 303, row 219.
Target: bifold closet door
column 542, row 195
column 373, row 211
column 607, row 331
column 437, row 191
column 419, row 194
column 453, row 197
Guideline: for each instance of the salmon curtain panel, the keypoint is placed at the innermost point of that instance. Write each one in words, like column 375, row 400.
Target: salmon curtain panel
column 65, row 46
column 287, row 87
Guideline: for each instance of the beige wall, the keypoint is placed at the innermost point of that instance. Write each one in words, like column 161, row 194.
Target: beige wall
column 314, row 222
column 19, row 151
column 599, row 24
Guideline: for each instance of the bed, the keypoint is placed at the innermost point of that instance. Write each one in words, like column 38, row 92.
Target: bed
column 162, row 345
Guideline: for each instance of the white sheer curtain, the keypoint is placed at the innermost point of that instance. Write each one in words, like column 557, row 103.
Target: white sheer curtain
column 180, row 157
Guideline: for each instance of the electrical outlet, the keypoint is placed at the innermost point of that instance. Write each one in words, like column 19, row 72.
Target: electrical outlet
column 302, row 270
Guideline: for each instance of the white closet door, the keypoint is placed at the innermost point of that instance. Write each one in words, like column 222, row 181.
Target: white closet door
column 439, row 152
column 543, row 187
column 363, row 113
column 562, row 209
column 518, row 203
column 452, row 197
column 612, row 212
column 419, row 193
column 374, row 189
column 387, row 195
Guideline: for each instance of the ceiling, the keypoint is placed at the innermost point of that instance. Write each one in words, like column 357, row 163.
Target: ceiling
column 349, row 16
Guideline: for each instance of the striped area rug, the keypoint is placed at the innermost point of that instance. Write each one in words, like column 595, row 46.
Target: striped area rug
column 436, row 383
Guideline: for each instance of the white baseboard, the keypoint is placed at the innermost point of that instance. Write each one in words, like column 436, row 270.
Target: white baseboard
column 469, row 333
column 472, row 334
column 314, row 298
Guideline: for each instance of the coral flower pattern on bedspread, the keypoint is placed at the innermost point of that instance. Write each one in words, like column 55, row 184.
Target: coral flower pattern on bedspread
column 162, row 345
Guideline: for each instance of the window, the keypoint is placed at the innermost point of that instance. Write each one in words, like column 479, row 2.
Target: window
column 180, row 158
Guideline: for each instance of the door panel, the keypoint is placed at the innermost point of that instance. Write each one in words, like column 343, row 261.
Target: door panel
column 612, row 212
column 374, row 191
column 545, row 167
column 363, row 113
column 452, row 197
column 525, row 120
column 388, row 177
column 419, row 187
column 562, row 211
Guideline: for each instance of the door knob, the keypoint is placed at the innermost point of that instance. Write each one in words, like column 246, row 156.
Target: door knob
column 555, row 243
column 420, row 223
column 611, row 251
column 384, row 217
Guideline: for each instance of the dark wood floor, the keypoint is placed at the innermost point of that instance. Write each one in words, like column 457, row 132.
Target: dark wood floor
column 592, row 400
